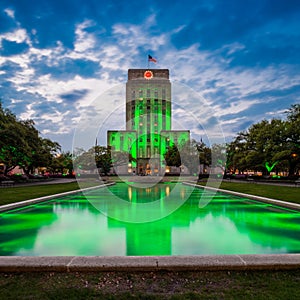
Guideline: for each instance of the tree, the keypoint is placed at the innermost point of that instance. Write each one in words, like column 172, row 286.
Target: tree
column 172, row 156
column 293, row 138
column 96, row 157
column 62, row 163
column 103, row 159
column 21, row 145
column 268, row 146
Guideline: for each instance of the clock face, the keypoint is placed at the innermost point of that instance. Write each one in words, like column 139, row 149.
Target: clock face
column 148, row 74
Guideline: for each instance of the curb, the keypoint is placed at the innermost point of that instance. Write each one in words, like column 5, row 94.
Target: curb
column 148, row 263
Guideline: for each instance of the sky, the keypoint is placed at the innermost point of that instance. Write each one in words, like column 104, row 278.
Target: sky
column 59, row 61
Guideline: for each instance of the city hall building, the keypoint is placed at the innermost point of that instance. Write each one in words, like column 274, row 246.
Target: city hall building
column 148, row 133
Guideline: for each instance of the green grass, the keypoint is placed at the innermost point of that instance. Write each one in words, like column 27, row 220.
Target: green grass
column 152, row 285
column 16, row 194
column 285, row 193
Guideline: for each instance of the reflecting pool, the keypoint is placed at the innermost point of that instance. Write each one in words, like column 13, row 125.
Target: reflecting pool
column 73, row 226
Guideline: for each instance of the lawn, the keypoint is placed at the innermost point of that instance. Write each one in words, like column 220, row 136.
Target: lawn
column 285, row 193
column 252, row 284
column 20, row 193
column 16, row 194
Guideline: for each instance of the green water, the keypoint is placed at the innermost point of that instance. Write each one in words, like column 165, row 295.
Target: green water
column 73, row 226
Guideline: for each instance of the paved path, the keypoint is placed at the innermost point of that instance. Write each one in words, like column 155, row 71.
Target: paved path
column 50, row 181
column 278, row 183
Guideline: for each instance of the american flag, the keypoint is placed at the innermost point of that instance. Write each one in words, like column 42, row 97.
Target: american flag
column 150, row 58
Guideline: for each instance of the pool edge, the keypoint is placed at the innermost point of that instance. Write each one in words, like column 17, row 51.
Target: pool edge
column 148, row 263
column 11, row 206
column 253, row 197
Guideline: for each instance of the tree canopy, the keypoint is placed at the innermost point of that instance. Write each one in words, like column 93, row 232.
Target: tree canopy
column 268, row 146
column 21, row 144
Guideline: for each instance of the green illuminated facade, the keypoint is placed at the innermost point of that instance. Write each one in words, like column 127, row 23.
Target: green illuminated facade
column 148, row 131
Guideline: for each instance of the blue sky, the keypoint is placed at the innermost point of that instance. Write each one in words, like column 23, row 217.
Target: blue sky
column 57, row 57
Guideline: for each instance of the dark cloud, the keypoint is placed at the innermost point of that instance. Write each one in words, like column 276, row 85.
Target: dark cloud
column 10, row 67
column 74, row 95
column 243, row 125
column 210, row 123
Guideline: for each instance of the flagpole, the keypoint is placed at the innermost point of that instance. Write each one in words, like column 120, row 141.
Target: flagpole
column 148, row 61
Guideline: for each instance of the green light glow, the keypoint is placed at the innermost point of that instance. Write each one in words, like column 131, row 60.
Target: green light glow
column 148, row 115
column 228, row 225
column 270, row 168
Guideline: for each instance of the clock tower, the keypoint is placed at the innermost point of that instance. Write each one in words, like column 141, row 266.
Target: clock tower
column 148, row 120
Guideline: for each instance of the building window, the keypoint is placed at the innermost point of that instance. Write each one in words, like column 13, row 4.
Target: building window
column 148, row 92
column 140, row 152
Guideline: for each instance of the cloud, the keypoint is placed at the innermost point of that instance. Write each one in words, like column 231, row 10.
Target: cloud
column 10, row 12
column 74, row 95
column 84, row 40
column 241, row 58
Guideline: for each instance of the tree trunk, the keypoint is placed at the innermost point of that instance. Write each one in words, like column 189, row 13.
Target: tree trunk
column 292, row 167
